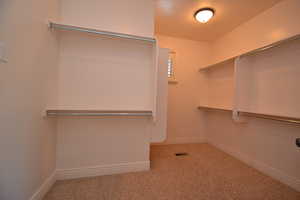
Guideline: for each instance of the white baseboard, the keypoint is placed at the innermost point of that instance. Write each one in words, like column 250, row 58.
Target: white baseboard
column 183, row 140
column 62, row 174
column 88, row 172
column 45, row 187
column 266, row 169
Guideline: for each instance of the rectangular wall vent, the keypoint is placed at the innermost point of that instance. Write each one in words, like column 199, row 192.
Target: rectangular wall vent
column 181, row 154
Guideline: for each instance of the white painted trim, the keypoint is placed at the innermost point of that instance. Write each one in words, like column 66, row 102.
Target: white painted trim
column 262, row 167
column 62, row 174
column 45, row 187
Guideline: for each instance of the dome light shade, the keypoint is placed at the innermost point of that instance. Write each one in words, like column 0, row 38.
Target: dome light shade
column 204, row 14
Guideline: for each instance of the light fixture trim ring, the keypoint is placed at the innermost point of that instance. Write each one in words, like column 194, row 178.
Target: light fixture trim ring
column 205, row 9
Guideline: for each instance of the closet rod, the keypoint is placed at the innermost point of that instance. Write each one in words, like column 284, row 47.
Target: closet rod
column 96, row 113
column 94, row 31
column 271, row 117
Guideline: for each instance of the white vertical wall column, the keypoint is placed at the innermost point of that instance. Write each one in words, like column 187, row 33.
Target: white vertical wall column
column 159, row 128
column 106, row 73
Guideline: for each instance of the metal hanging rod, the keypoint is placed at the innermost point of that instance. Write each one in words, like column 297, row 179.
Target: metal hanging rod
column 99, row 113
column 256, row 115
column 94, row 31
column 261, row 49
column 271, row 117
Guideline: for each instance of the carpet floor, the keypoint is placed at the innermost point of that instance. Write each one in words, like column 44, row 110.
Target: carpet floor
column 204, row 174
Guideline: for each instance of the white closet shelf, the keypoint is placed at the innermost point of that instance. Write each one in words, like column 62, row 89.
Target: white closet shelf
column 220, row 108
column 99, row 32
column 135, row 113
column 272, row 45
column 217, row 64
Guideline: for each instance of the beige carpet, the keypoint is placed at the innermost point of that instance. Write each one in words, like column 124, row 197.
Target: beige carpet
column 205, row 174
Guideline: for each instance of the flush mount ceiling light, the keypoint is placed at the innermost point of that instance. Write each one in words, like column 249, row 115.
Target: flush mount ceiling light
column 204, row 15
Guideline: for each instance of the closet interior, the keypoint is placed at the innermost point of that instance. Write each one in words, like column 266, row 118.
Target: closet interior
column 135, row 93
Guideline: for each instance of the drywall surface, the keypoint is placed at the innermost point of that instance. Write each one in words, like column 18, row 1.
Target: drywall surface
column 131, row 17
column 276, row 23
column 89, row 142
column 101, row 72
column 105, row 73
column 159, row 128
column 266, row 145
column 185, row 123
column 27, row 145
column 220, row 86
column 269, row 81
column 109, row 74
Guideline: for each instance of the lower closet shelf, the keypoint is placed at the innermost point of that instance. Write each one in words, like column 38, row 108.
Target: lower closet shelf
column 57, row 113
column 291, row 120
column 220, row 108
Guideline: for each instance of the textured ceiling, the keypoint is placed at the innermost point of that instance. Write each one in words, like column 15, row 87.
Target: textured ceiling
column 176, row 17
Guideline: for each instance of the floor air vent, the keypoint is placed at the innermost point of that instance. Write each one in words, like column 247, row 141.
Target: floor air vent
column 181, row 154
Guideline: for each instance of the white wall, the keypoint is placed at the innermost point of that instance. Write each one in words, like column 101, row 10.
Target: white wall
column 267, row 145
column 276, row 23
column 220, row 86
column 104, row 73
column 132, row 16
column 185, row 123
column 159, row 128
column 27, row 145
column 269, row 81
column 92, row 142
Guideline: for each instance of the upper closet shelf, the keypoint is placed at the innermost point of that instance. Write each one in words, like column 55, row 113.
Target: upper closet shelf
column 98, row 113
column 100, row 32
column 217, row 64
column 275, row 44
